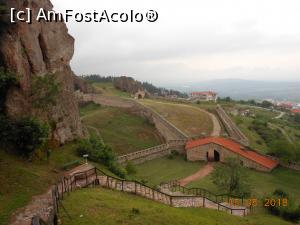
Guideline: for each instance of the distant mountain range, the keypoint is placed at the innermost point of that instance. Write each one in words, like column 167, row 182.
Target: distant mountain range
column 246, row 89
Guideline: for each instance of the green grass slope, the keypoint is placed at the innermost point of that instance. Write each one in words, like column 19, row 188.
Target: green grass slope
column 20, row 179
column 264, row 183
column 106, row 207
column 187, row 118
column 122, row 130
column 165, row 169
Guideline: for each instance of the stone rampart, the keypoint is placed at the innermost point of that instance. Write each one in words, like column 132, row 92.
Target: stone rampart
column 232, row 129
column 154, row 152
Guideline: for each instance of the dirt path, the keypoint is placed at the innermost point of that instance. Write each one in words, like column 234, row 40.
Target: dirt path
column 203, row 172
column 216, row 132
column 272, row 125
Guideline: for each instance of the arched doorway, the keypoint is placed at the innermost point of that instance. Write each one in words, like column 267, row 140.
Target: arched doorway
column 216, row 156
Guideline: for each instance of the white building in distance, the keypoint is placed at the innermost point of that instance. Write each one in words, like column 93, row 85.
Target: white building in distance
column 205, row 96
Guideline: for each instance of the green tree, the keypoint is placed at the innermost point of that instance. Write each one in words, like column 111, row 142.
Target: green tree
column 297, row 118
column 29, row 134
column 7, row 80
column 130, row 168
column 266, row 104
column 283, row 150
column 231, row 178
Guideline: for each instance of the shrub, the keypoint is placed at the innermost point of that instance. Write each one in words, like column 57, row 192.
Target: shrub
column 100, row 152
column 26, row 135
column 130, row 168
column 45, row 90
column 280, row 193
column 117, row 169
column 7, row 80
column 29, row 134
column 289, row 213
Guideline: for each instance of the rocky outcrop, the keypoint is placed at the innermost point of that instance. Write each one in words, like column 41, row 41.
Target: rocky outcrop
column 82, row 85
column 39, row 49
column 128, row 84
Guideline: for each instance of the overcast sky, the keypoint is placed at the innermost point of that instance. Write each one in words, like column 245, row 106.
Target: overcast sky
column 191, row 41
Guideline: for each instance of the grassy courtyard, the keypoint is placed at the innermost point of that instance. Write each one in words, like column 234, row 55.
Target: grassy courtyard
column 164, row 169
column 191, row 120
column 106, row 207
column 119, row 128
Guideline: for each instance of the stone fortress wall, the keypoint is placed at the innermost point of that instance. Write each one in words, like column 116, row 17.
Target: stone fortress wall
column 233, row 131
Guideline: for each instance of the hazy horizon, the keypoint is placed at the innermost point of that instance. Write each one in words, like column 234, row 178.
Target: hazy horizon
column 192, row 41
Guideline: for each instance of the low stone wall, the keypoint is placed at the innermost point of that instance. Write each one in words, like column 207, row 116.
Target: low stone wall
column 154, row 152
column 103, row 100
column 234, row 132
column 291, row 165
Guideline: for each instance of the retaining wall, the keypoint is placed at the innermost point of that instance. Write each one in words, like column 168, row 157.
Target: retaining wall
column 232, row 129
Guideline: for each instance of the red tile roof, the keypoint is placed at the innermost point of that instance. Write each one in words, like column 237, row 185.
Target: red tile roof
column 211, row 93
column 236, row 148
column 296, row 111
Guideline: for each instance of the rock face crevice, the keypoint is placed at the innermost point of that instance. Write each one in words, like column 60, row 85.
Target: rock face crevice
column 40, row 49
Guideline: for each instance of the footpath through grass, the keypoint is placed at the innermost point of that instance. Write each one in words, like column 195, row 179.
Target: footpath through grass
column 120, row 129
column 191, row 120
column 164, row 169
column 100, row 206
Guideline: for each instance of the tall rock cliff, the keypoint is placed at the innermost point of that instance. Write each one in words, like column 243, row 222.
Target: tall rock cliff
column 36, row 50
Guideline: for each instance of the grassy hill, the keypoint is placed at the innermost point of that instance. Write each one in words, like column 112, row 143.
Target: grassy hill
column 21, row 179
column 108, row 89
column 119, row 128
column 100, row 206
column 187, row 118
column 287, row 129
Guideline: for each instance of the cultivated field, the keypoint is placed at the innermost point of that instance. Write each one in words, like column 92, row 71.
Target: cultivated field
column 122, row 130
column 101, row 206
column 189, row 119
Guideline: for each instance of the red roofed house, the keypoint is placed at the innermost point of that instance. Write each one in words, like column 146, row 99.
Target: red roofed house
column 204, row 96
column 218, row 148
column 296, row 111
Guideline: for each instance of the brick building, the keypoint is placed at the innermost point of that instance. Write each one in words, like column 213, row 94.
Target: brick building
column 218, row 149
